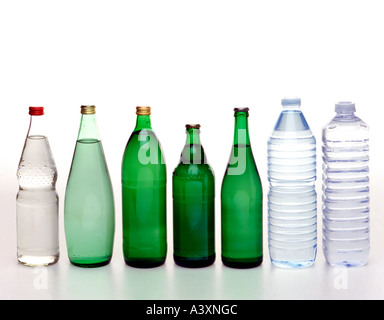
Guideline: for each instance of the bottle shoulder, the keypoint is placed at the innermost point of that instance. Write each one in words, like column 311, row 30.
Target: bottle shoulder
column 37, row 168
column 143, row 147
column 351, row 128
column 291, row 126
column 341, row 121
column 142, row 136
column 193, row 170
column 291, row 121
column 241, row 162
column 37, row 150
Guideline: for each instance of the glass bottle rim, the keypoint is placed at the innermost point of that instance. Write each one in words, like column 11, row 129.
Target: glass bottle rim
column 241, row 109
column 192, row 126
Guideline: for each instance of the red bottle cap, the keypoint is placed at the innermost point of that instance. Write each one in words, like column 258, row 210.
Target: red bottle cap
column 36, row 111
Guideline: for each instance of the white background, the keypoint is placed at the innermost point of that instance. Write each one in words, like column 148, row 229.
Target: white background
column 192, row 62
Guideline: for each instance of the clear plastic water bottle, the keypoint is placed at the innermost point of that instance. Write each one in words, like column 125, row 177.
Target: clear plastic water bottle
column 292, row 199
column 37, row 200
column 346, row 238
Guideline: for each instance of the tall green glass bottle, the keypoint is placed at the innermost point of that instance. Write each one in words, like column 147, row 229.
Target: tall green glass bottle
column 144, row 181
column 194, row 205
column 242, row 202
column 89, row 211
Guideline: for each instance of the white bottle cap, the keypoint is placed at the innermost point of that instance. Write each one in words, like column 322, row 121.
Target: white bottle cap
column 345, row 107
column 286, row 102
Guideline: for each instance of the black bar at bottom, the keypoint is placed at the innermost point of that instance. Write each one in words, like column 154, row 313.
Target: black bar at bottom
column 185, row 309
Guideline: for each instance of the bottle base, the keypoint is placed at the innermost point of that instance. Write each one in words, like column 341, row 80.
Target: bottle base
column 37, row 261
column 144, row 263
column 345, row 257
column 82, row 263
column 194, row 262
column 292, row 264
column 347, row 264
column 242, row 263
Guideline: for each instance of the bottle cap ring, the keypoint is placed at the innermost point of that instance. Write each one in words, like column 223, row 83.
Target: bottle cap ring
column 241, row 109
column 192, row 126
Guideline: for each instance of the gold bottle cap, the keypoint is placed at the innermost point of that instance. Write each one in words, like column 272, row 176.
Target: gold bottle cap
column 88, row 109
column 143, row 111
column 193, row 126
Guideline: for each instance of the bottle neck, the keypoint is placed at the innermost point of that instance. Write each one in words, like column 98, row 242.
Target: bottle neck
column 345, row 117
column 241, row 129
column 295, row 108
column 36, row 147
column 345, row 114
column 193, row 137
column 37, row 127
column 193, row 152
column 143, row 122
column 88, row 128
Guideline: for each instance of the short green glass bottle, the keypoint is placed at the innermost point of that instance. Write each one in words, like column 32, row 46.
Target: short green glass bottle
column 242, row 202
column 194, row 205
column 89, row 211
column 144, row 184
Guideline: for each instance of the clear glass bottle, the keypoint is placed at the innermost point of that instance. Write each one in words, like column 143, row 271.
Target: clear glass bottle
column 37, row 203
column 89, row 213
column 144, row 188
column 242, row 202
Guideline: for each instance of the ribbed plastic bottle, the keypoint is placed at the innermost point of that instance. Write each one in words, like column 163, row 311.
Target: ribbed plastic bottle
column 346, row 223
column 292, row 199
column 37, row 204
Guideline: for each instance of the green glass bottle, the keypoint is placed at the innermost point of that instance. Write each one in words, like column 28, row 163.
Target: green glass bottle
column 194, row 205
column 242, row 202
column 144, row 182
column 89, row 211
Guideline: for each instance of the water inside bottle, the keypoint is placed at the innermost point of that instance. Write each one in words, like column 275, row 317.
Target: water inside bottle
column 346, row 238
column 292, row 199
